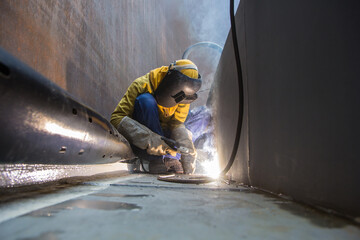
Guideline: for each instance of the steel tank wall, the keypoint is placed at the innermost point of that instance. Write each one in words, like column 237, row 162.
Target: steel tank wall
column 95, row 49
column 301, row 78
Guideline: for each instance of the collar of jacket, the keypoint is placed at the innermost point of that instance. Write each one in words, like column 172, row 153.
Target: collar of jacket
column 156, row 76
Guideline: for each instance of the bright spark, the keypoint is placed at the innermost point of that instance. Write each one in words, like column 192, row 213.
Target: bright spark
column 211, row 167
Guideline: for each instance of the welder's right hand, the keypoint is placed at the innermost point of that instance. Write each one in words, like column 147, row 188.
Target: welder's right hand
column 142, row 137
column 157, row 146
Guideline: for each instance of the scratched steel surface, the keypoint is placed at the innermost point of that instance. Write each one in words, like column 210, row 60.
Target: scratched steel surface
column 95, row 49
column 141, row 207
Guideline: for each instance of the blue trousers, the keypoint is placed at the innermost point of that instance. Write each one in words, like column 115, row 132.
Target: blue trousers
column 146, row 112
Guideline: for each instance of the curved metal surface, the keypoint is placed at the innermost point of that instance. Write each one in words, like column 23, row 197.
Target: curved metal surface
column 301, row 89
column 41, row 123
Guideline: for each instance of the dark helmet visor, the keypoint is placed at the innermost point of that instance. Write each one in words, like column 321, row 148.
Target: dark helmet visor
column 177, row 88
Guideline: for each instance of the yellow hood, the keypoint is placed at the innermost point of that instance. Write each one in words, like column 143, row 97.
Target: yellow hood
column 158, row 74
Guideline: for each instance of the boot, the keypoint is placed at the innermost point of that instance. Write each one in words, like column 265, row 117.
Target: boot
column 134, row 166
column 157, row 166
column 173, row 165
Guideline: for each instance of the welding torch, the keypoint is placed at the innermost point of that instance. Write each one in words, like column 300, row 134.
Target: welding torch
column 175, row 145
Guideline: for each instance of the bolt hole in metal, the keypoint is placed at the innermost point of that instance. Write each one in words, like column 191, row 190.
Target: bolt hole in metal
column 74, row 111
column 62, row 150
column 103, row 156
column 90, row 119
column 81, row 152
column 4, row 70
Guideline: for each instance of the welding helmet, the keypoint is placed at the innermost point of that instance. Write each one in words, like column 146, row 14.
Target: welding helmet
column 179, row 85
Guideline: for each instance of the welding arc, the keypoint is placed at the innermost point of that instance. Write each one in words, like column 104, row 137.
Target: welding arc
column 241, row 91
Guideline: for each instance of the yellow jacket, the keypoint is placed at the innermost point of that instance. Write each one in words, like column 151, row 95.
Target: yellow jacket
column 170, row 118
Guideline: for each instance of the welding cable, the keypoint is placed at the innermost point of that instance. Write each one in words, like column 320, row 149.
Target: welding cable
column 201, row 44
column 142, row 165
column 241, row 91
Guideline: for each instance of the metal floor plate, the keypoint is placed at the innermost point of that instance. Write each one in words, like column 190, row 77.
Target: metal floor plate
column 142, row 207
column 181, row 178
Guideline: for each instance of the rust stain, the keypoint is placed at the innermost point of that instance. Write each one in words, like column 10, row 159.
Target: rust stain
column 94, row 49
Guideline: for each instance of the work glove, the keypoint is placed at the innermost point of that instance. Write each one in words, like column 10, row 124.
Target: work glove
column 184, row 137
column 143, row 138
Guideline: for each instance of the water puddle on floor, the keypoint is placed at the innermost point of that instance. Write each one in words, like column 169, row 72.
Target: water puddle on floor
column 121, row 195
column 141, row 182
column 82, row 204
column 52, row 235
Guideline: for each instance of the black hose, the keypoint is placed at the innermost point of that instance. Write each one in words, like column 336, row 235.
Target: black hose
column 201, row 44
column 241, row 90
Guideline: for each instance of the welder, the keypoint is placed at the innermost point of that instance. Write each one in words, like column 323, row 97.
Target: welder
column 156, row 106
